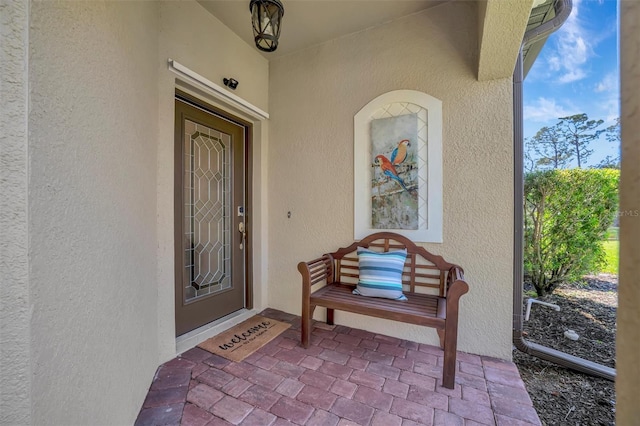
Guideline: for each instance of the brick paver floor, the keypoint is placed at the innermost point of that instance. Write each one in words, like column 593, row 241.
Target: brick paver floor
column 346, row 377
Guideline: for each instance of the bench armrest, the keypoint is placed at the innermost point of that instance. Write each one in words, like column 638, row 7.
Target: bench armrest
column 317, row 270
column 456, row 285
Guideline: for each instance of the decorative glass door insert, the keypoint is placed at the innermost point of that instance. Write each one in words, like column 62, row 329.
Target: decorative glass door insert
column 207, row 207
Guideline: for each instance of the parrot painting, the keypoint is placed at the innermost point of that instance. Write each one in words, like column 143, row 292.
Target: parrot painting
column 400, row 153
column 387, row 168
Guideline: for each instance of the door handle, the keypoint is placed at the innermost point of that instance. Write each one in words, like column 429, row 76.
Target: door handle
column 243, row 232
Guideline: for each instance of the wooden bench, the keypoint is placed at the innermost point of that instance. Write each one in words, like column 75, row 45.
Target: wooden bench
column 434, row 289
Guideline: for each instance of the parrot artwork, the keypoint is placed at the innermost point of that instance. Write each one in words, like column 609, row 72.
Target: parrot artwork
column 400, row 153
column 388, row 170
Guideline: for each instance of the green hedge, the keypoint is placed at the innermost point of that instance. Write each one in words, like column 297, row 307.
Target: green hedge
column 567, row 213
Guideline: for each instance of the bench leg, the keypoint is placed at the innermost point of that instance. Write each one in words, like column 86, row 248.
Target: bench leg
column 450, row 347
column 307, row 319
column 441, row 336
column 329, row 316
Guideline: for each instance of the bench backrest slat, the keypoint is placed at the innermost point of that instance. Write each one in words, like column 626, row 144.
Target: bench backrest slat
column 412, row 272
column 352, row 267
column 431, row 267
column 428, row 276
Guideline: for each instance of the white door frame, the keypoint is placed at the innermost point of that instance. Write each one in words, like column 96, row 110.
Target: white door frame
column 218, row 97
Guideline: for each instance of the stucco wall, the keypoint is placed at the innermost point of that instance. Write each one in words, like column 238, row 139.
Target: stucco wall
column 501, row 26
column 95, row 305
column 15, row 352
column 196, row 39
column 314, row 95
column 628, row 339
column 93, row 127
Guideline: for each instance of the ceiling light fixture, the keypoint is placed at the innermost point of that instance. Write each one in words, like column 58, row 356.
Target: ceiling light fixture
column 266, row 16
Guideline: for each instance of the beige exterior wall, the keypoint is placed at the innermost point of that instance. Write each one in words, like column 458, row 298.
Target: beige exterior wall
column 93, row 126
column 15, row 350
column 628, row 338
column 92, row 312
column 193, row 37
column 501, row 26
column 314, row 96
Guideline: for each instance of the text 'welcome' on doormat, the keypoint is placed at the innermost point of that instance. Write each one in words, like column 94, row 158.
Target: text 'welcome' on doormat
column 245, row 338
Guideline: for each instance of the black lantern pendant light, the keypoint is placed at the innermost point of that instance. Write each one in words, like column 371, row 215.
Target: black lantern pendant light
column 266, row 16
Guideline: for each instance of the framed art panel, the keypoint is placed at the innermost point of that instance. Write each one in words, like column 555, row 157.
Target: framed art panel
column 398, row 166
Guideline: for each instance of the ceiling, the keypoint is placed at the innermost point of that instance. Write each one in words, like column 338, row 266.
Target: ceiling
column 309, row 22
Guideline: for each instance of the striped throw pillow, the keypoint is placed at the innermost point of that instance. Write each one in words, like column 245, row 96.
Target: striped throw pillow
column 381, row 273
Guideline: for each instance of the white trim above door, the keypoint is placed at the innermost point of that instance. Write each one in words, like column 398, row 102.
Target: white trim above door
column 217, row 91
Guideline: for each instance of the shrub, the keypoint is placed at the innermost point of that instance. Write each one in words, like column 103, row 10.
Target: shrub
column 567, row 213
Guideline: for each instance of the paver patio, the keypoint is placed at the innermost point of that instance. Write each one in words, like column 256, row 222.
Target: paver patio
column 346, row 377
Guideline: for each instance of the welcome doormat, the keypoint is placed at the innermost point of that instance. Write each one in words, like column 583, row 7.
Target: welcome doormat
column 245, row 338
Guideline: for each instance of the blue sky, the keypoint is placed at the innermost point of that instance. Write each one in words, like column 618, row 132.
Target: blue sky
column 576, row 72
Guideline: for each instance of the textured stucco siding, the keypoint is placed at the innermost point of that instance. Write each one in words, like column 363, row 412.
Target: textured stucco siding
column 15, row 352
column 628, row 338
column 93, row 127
column 196, row 39
column 314, row 95
column 501, row 26
column 88, row 105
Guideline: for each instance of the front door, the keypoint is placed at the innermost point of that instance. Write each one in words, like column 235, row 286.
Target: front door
column 209, row 209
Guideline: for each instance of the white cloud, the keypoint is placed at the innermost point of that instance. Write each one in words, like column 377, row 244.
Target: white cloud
column 608, row 107
column 606, row 97
column 572, row 49
column 608, row 83
column 571, row 76
column 544, row 110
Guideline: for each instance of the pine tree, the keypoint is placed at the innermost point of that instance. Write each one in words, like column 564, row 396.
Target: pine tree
column 552, row 148
column 578, row 132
